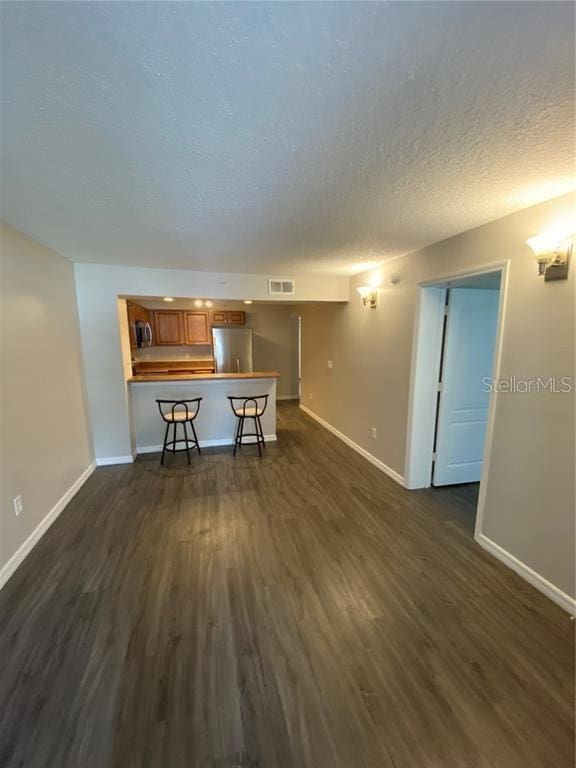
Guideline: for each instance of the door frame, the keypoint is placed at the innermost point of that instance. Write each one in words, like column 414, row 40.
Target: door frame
column 425, row 368
column 299, row 332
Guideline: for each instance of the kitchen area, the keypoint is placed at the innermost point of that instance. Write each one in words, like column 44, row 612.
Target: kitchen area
column 183, row 348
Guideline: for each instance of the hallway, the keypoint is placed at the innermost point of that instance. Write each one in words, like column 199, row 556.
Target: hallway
column 296, row 611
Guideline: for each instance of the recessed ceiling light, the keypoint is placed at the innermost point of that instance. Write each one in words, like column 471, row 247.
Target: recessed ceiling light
column 168, row 298
column 248, row 301
column 197, row 303
column 208, row 303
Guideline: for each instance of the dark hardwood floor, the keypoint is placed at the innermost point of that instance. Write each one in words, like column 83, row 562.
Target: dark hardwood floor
column 298, row 611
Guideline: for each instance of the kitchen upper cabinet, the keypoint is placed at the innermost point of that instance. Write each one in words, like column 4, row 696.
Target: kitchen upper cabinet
column 236, row 318
column 169, row 327
column 222, row 317
column 219, row 317
column 196, row 328
column 189, row 327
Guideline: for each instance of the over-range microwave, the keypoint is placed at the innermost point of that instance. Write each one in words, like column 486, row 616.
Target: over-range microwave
column 143, row 334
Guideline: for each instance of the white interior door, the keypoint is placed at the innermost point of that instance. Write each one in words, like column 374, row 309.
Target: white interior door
column 463, row 403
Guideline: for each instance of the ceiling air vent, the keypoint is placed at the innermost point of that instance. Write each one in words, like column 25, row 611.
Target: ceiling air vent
column 280, row 287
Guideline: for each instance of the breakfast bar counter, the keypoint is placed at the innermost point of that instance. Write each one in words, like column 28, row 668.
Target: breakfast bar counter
column 146, row 377
column 215, row 423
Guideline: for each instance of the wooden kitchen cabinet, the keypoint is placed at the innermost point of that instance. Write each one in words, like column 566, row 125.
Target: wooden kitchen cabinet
column 196, row 328
column 222, row 317
column 168, row 326
column 236, row 318
column 219, row 317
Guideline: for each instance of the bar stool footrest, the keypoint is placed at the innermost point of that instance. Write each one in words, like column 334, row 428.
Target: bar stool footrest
column 259, row 439
column 191, row 444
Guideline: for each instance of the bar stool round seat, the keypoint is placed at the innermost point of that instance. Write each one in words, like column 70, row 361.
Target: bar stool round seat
column 252, row 407
column 249, row 412
column 177, row 416
column 175, row 412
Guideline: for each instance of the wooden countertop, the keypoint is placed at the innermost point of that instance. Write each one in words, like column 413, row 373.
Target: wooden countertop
column 201, row 377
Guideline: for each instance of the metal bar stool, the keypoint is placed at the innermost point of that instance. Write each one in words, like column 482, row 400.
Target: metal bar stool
column 249, row 408
column 179, row 412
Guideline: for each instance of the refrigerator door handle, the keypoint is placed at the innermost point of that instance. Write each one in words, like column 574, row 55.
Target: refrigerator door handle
column 237, row 365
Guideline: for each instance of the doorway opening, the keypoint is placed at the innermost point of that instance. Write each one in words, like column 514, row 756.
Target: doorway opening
column 456, row 357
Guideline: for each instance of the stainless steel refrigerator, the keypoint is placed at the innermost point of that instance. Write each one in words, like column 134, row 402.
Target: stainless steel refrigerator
column 232, row 350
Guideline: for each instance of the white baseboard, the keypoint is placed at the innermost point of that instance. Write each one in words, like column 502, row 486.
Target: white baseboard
column 555, row 594
column 287, row 397
column 362, row 451
column 106, row 461
column 203, row 444
column 24, row 549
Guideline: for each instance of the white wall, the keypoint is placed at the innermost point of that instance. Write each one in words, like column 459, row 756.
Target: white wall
column 530, row 504
column 45, row 437
column 97, row 290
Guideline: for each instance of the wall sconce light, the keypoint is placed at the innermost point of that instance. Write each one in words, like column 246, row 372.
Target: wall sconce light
column 369, row 296
column 552, row 254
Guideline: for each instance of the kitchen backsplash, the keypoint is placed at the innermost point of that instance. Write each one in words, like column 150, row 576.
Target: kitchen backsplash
column 157, row 354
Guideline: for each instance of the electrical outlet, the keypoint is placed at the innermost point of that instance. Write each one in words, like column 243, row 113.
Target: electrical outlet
column 330, row 364
column 18, row 505
column 373, row 431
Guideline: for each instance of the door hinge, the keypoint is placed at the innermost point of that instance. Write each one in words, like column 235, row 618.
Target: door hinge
column 439, row 386
column 434, row 456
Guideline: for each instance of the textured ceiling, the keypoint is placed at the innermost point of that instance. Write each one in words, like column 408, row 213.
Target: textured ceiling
column 279, row 137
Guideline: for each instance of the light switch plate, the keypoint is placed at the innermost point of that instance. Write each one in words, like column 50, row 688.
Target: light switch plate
column 18, row 505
